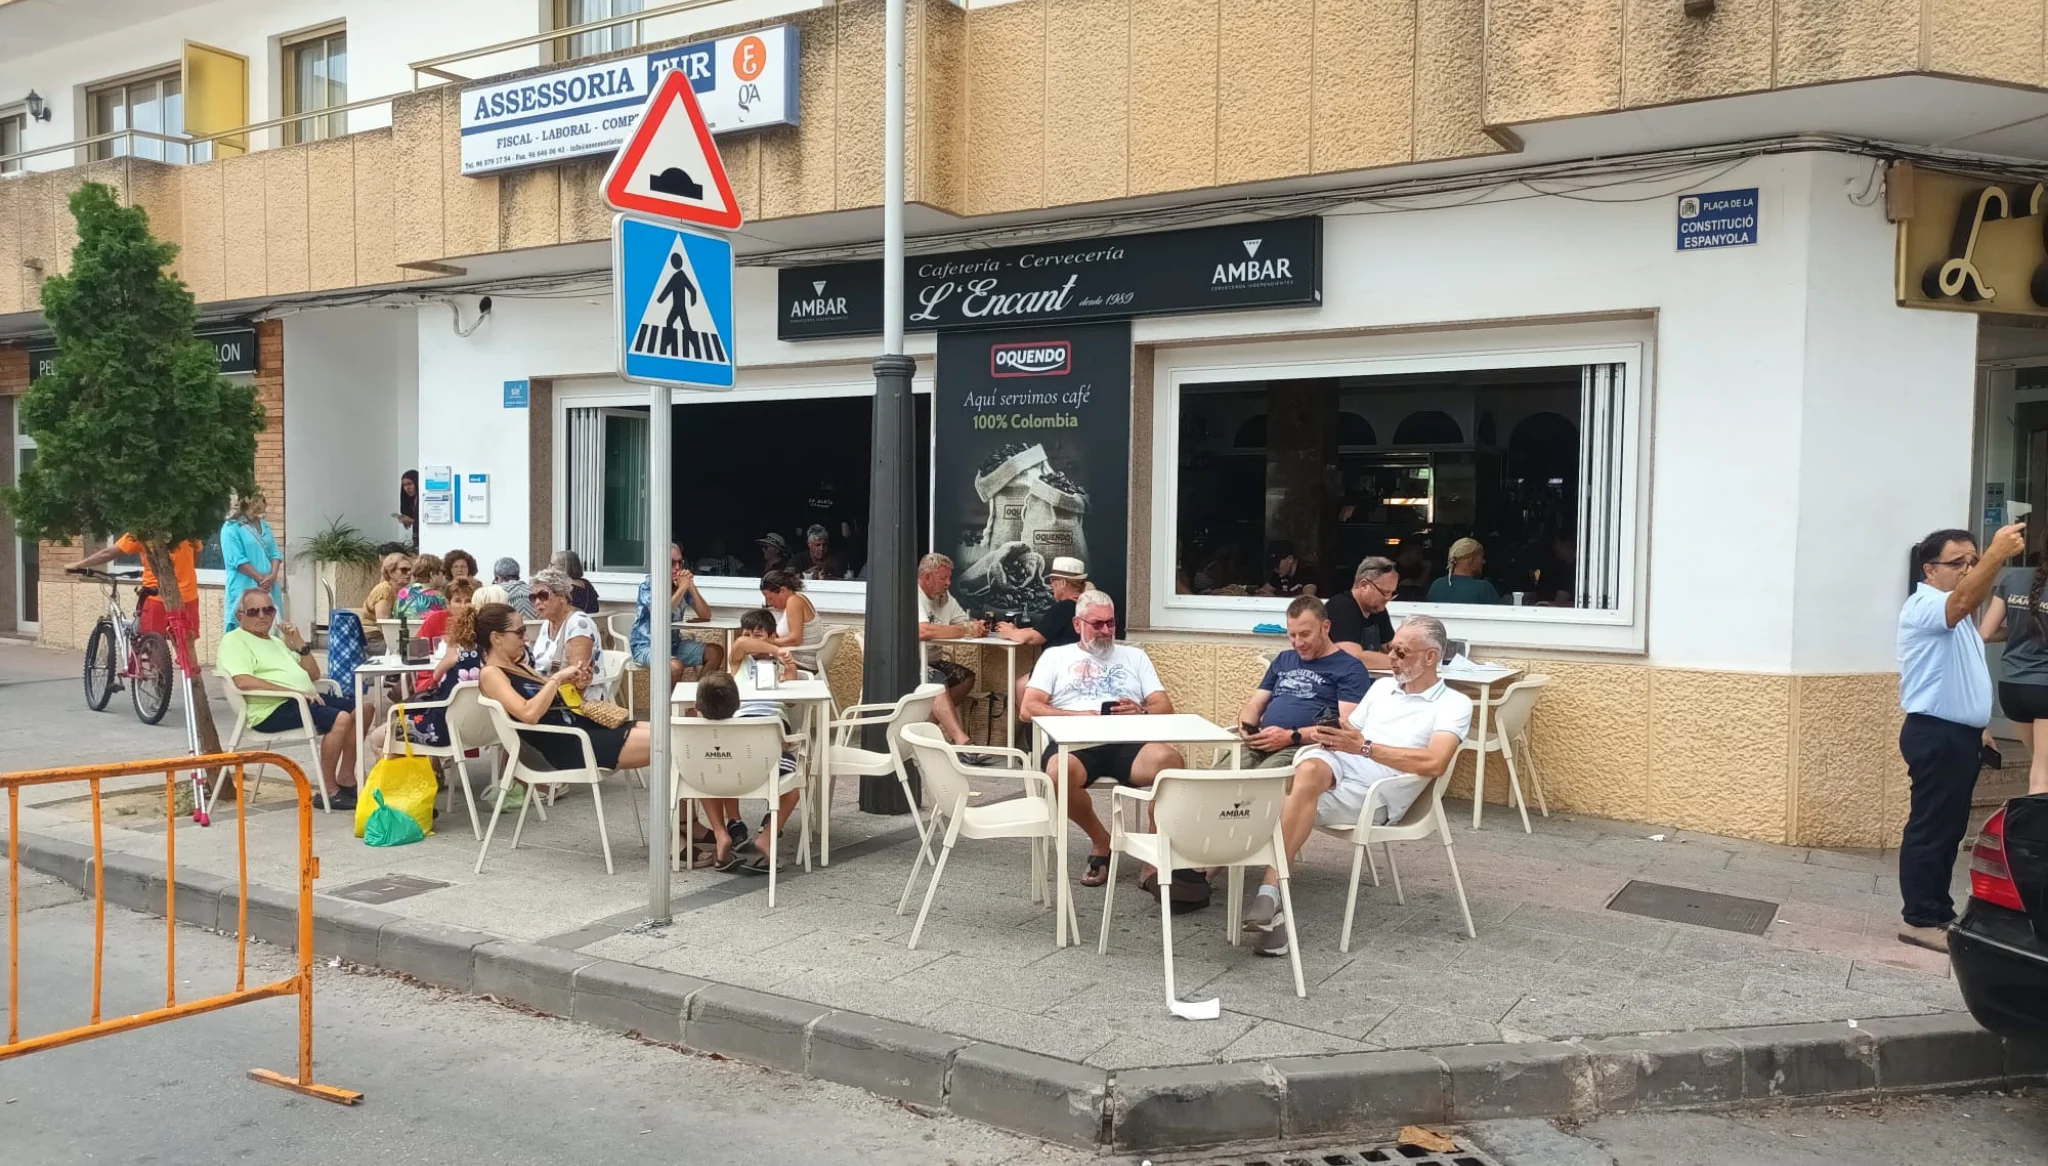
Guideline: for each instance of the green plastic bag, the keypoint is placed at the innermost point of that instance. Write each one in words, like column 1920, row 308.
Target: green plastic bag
column 390, row 827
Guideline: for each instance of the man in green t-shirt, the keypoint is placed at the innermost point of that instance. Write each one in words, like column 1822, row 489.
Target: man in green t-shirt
column 258, row 661
column 1464, row 584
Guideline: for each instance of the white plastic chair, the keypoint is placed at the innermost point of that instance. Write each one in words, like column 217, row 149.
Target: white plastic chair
column 238, row 704
column 468, row 727
column 737, row 758
column 518, row 768
column 622, row 641
column 842, row 756
column 828, row 651
column 1425, row 818
column 608, row 668
column 1510, row 723
column 1205, row 818
column 1035, row 815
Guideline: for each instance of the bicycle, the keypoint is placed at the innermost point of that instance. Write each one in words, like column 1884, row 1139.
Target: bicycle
column 144, row 657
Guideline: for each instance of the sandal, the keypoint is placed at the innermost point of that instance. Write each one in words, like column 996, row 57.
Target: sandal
column 1097, row 872
column 755, row 863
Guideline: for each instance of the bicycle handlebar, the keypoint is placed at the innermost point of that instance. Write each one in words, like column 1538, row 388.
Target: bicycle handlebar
column 103, row 576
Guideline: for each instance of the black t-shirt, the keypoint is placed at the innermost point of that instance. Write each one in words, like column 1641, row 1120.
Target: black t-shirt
column 1056, row 624
column 1350, row 625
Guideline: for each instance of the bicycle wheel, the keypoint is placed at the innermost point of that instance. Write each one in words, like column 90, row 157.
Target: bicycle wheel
column 99, row 666
column 153, row 670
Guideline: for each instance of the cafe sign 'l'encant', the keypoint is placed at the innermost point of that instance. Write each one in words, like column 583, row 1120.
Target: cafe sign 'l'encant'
column 1270, row 264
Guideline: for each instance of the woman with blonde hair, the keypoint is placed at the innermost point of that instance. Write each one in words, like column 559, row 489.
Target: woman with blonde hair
column 396, row 573
column 249, row 554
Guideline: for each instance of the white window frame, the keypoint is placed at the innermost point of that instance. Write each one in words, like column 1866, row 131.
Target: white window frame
column 835, row 596
column 22, row 579
column 15, row 112
column 1625, row 343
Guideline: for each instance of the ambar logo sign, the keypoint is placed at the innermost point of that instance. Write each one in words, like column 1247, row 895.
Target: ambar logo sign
column 1046, row 358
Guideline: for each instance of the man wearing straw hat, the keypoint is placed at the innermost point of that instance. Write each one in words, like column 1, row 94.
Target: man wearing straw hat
column 1068, row 578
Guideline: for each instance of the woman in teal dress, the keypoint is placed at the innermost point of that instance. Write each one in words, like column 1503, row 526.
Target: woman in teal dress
column 249, row 554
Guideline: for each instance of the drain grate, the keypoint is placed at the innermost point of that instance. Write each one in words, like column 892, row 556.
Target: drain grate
column 1342, row 1155
column 1700, row 908
column 387, row 889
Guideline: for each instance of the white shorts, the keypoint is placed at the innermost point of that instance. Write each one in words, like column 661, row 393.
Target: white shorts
column 1356, row 776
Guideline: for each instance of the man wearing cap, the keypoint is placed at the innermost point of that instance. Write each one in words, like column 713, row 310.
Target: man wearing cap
column 774, row 552
column 1054, row 626
column 1463, row 584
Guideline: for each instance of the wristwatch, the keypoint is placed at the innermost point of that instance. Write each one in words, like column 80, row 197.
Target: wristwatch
column 1296, row 734
column 305, row 650
column 1366, row 749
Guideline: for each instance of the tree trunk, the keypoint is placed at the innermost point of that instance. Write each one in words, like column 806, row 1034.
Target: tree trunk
column 186, row 647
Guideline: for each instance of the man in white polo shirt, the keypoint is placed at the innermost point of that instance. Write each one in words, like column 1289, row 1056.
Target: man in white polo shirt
column 1402, row 736
column 1945, row 690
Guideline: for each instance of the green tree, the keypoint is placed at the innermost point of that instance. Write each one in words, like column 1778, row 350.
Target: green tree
column 136, row 430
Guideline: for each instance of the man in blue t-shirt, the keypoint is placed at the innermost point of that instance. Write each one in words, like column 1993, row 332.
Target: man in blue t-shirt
column 1312, row 682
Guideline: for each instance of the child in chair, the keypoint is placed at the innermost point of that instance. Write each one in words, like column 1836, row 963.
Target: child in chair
column 718, row 699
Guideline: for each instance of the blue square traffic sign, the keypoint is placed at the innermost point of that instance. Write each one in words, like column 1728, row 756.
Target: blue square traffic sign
column 673, row 289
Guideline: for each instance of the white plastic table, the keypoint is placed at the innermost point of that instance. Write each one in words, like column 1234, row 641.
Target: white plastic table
column 1484, row 677
column 1071, row 733
column 815, row 696
column 729, row 624
column 1009, row 648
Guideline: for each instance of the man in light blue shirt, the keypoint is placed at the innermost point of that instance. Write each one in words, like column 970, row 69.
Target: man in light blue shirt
column 685, row 605
column 1945, row 690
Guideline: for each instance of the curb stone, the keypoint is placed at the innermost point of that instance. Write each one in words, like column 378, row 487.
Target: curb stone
column 1169, row 1108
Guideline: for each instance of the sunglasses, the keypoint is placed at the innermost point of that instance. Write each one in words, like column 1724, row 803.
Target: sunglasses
column 540, row 596
column 259, row 611
column 1400, row 653
column 1102, row 625
column 1962, row 564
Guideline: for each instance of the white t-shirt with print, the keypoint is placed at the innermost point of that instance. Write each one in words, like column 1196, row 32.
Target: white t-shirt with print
column 1078, row 681
column 551, row 652
column 943, row 610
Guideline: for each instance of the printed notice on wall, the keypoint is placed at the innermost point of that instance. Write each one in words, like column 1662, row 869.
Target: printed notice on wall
column 1032, row 462
column 1722, row 218
column 437, row 494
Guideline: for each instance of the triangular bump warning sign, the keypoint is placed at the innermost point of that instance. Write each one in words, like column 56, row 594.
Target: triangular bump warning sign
column 671, row 167
column 676, row 322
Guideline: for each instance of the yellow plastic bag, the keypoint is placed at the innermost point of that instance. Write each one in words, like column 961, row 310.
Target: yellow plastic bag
column 407, row 784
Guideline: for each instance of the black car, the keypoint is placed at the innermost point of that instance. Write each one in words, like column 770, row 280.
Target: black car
column 1999, row 948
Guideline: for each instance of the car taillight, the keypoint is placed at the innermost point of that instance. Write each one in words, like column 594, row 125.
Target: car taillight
column 1990, row 878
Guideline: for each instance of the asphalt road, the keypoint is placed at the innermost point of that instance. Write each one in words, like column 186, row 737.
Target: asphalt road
column 446, row 1079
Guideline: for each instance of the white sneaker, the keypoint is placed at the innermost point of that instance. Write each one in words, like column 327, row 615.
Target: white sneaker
column 1262, row 913
column 1273, row 941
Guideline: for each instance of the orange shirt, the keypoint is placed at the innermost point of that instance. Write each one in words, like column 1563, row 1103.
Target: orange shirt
column 184, row 558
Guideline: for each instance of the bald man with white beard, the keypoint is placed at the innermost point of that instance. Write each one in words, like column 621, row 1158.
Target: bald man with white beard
column 1098, row 677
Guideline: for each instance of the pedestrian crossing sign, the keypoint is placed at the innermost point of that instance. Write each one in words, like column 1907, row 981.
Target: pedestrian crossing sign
column 673, row 289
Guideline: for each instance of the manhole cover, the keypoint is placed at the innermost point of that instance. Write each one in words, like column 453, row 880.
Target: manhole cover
column 1345, row 1155
column 387, row 889
column 1701, row 908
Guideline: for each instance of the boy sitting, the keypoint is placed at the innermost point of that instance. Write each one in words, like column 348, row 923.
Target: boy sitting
column 718, row 699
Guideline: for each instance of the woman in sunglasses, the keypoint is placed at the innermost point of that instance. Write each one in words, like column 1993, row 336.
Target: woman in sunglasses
column 533, row 698
column 568, row 637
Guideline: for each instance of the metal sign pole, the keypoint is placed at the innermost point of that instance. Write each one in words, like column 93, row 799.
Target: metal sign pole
column 892, row 664
column 661, row 832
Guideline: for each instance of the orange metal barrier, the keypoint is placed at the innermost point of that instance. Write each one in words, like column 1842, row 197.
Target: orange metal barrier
column 299, row 984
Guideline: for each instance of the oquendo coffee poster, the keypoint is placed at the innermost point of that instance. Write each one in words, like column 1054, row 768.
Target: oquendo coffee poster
column 1033, row 435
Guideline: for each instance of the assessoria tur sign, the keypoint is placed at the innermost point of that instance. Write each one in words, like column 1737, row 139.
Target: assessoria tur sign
column 741, row 82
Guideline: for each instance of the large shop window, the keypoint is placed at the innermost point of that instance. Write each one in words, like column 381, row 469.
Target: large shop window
column 1284, row 484
column 777, row 464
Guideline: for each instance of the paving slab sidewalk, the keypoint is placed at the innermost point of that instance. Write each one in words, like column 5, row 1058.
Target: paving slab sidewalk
column 1550, row 962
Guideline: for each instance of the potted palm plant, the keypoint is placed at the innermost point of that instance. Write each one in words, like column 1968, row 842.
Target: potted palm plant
column 345, row 563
